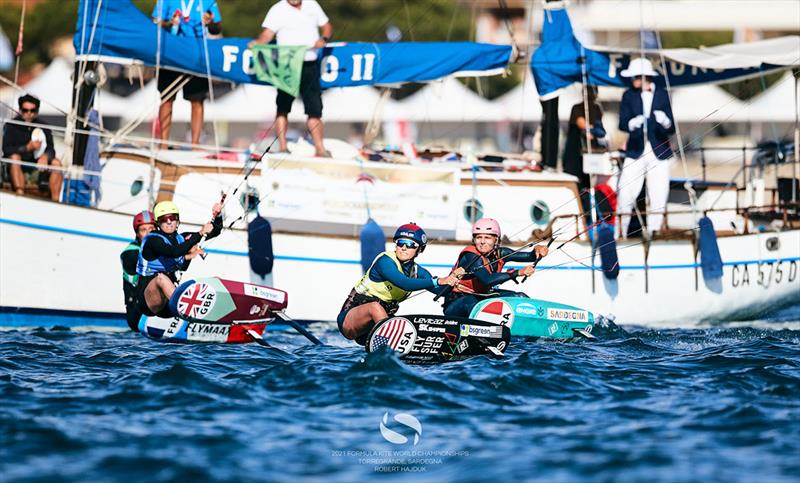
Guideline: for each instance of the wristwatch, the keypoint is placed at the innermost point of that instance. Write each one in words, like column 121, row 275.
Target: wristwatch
column 326, row 39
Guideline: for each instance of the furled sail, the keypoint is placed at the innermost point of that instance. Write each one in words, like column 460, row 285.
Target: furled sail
column 557, row 62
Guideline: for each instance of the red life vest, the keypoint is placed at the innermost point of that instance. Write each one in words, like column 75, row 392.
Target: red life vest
column 473, row 285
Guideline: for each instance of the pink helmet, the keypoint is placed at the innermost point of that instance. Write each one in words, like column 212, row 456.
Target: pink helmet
column 486, row 226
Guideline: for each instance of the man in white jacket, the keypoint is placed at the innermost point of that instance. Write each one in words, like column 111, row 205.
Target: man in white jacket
column 645, row 113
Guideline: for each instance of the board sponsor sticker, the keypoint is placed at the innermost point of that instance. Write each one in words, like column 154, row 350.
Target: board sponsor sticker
column 434, row 320
column 567, row 315
column 264, row 293
column 200, row 332
column 197, row 300
column 526, row 308
column 431, row 328
column 496, row 312
column 397, row 332
column 481, row 331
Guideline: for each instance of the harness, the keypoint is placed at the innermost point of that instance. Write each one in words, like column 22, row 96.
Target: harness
column 386, row 294
column 473, row 285
column 384, row 291
column 148, row 268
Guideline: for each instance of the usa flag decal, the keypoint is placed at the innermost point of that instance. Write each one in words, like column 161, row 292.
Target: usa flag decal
column 398, row 333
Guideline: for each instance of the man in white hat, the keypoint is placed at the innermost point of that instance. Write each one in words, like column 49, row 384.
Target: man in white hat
column 645, row 114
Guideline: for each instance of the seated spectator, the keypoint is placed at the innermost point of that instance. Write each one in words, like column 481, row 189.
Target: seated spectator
column 32, row 144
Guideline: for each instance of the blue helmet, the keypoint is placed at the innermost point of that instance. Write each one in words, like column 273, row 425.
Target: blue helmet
column 412, row 231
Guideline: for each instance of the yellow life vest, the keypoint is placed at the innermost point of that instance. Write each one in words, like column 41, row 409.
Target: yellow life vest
column 384, row 290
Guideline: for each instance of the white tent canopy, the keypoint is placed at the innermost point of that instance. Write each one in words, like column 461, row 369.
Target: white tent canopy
column 445, row 101
column 706, row 103
column 250, row 103
column 776, row 104
column 522, row 102
column 143, row 104
column 54, row 88
column 354, row 104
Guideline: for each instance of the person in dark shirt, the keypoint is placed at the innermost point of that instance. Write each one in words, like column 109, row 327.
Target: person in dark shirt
column 143, row 223
column 391, row 278
column 165, row 252
column 483, row 263
column 26, row 142
column 575, row 145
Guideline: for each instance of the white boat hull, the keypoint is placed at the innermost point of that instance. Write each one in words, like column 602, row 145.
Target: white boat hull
column 65, row 258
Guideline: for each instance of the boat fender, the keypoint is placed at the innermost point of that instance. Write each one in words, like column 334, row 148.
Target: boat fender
column 608, row 250
column 259, row 244
column 710, row 259
column 373, row 242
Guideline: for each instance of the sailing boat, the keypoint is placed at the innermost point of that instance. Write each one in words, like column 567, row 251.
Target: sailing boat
column 316, row 206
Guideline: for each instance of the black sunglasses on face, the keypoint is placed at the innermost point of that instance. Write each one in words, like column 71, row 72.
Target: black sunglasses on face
column 23, row 110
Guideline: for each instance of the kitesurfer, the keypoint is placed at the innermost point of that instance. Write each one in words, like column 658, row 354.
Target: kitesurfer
column 390, row 279
column 164, row 252
column 483, row 262
column 143, row 223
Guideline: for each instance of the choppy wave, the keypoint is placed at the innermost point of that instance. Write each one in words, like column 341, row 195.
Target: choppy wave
column 720, row 403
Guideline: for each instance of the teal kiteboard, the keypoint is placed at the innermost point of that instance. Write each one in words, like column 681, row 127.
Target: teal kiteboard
column 536, row 318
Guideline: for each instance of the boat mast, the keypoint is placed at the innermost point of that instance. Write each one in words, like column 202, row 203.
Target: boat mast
column 796, row 136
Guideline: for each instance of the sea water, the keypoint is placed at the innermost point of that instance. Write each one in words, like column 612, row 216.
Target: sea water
column 719, row 403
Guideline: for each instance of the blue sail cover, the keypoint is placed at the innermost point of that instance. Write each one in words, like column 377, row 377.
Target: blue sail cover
column 557, row 62
column 123, row 31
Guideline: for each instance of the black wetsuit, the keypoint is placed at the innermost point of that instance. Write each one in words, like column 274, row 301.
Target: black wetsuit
column 129, row 259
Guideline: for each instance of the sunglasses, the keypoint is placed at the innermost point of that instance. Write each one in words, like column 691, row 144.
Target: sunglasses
column 406, row 244
column 23, row 110
column 168, row 218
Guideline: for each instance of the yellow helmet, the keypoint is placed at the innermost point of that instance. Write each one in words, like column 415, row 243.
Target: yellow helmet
column 165, row 208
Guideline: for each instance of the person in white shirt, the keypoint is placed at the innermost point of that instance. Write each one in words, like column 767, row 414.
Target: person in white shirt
column 299, row 22
column 645, row 113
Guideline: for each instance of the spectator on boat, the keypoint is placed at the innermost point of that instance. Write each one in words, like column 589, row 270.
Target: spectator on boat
column 576, row 145
column 165, row 251
column 185, row 18
column 143, row 223
column 483, row 264
column 30, row 143
column 645, row 113
column 298, row 22
column 390, row 279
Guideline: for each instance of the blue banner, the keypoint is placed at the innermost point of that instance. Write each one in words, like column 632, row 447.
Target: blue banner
column 123, row 31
